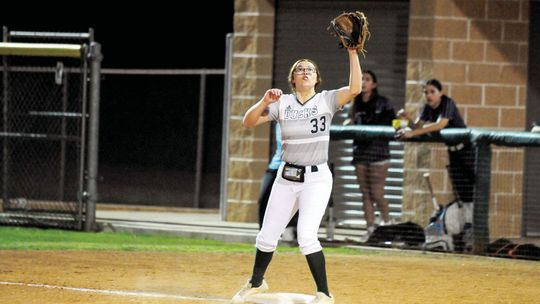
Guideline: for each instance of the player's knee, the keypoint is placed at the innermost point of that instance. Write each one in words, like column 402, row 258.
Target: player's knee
column 265, row 245
column 309, row 245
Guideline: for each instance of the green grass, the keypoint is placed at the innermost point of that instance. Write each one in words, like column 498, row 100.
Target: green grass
column 17, row 238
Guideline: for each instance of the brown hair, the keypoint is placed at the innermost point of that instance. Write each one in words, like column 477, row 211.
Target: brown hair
column 291, row 74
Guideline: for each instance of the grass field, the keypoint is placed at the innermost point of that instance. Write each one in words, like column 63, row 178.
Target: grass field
column 53, row 239
column 56, row 266
column 16, row 238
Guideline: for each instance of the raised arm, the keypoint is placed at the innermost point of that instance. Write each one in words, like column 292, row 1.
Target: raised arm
column 346, row 94
column 257, row 113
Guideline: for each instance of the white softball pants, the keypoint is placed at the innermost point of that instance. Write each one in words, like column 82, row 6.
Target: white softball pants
column 310, row 198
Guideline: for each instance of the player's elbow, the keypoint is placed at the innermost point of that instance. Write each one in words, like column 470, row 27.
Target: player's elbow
column 355, row 89
column 248, row 123
column 353, row 93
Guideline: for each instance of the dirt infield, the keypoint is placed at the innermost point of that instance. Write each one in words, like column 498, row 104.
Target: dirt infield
column 164, row 277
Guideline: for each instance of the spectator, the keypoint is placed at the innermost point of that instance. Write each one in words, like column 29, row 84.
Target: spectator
column 372, row 158
column 441, row 112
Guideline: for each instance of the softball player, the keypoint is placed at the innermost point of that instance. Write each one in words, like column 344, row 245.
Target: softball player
column 304, row 181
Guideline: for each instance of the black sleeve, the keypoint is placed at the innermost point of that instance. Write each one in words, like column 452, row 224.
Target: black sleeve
column 449, row 108
column 425, row 114
column 389, row 113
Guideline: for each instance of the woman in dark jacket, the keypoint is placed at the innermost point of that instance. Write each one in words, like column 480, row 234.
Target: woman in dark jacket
column 441, row 112
column 372, row 158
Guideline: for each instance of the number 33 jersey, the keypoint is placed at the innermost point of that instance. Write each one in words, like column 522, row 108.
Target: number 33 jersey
column 305, row 128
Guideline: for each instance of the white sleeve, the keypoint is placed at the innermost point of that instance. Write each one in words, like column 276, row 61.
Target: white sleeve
column 273, row 111
column 330, row 98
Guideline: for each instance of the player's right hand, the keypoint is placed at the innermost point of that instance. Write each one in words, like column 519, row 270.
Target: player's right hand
column 272, row 95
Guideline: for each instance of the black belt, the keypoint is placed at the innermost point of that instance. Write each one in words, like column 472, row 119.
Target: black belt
column 313, row 167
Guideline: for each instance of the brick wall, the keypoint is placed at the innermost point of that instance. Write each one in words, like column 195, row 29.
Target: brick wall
column 478, row 50
column 251, row 77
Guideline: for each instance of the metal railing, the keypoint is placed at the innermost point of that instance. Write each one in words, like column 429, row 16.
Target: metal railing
column 492, row 206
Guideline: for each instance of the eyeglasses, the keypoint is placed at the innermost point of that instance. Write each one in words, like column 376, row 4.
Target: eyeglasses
column 300, row 70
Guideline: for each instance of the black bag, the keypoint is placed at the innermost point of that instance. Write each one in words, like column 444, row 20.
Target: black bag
column 293, row 173
column 504, row 248
column 409, row 233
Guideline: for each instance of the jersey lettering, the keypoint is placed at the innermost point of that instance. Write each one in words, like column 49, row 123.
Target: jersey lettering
column 291, row 113
column 315, row 124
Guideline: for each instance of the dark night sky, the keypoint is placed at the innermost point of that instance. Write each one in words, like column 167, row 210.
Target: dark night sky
column 149, row 35
column 148, row 124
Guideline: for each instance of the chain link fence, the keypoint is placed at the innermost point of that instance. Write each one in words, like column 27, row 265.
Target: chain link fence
column 43, row 130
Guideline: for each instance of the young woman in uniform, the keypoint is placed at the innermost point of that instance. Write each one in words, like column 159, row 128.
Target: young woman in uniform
column 304, row 181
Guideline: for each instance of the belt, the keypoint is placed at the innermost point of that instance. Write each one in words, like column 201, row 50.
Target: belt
column 457, row 147
column 312, row 168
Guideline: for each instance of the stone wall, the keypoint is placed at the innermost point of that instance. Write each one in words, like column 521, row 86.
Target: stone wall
column 253, row 40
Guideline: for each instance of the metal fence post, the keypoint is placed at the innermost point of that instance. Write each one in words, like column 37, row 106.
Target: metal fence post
column 225, row 130
column 93, row 132
column 5, row 101
column 482, row 193
column 63, row 131
column 200, row 141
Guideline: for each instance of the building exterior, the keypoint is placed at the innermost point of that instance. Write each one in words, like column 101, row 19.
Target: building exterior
column 478, row 49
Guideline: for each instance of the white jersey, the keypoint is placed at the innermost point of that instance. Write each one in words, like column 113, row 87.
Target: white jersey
column 305, row 128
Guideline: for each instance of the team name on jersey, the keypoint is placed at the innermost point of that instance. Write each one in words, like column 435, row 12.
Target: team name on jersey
column 291, row 113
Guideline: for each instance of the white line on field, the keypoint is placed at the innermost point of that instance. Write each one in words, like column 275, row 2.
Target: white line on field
column 116, row 292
